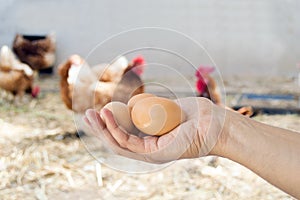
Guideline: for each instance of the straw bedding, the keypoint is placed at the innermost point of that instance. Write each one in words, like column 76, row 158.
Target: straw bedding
column 42, row 158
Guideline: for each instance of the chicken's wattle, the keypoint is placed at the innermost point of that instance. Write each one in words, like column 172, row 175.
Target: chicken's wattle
column 35, row 91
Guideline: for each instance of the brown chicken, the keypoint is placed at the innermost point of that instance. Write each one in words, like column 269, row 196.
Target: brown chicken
column 16, row 77
column 207, row 87
column 36, row 51
column 84, row 87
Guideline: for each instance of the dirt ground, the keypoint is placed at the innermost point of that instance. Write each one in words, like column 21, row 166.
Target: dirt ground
column 41, row 158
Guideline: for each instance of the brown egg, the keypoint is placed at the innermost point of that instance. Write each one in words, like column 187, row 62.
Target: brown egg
column 132, row 101
column 156, row 115
column 121, row 114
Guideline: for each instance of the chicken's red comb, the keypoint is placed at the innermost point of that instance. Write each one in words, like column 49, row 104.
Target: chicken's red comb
column 139, row 60
column 204, row 70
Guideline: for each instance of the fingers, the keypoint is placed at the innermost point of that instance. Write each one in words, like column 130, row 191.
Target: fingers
column 94, row 119
column 86, row 121
column 151, row 149
column 107, row 138
column 125, row 140
column 96, row 124
column 112, row 132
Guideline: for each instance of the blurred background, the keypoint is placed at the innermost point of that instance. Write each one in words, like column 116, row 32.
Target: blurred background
column 242, row 37
column 255, row 49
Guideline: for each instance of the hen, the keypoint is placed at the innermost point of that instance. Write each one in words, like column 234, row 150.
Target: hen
column 207, row 87
column 84, row 87
column 36, row 51
column 16, row 77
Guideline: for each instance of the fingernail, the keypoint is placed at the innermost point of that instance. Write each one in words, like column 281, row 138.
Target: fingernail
column 90, row 114
column 89, row 111
column 102, row 112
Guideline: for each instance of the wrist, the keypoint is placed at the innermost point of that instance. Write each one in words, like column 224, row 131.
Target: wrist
column 238, row 138
column 233, row 124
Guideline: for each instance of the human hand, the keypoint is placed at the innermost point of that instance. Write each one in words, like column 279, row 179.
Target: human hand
column 191, row 139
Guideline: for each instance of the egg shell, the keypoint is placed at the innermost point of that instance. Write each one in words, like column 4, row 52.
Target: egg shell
column 132, row 101
column 121, row 115
column 156, row 115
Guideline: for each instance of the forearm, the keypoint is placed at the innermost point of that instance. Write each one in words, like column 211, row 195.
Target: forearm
column 272, row 153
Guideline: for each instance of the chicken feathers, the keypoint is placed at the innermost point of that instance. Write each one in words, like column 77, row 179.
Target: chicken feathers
column 84, row 87
column 15, row 77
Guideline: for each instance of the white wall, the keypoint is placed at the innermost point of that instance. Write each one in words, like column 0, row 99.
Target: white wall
column 259, row 37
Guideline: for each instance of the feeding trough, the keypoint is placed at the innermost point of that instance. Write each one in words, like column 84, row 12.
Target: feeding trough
column 271, row 111
column 269, row 103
